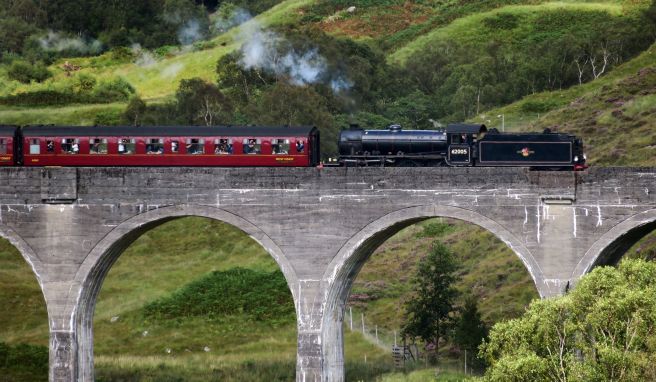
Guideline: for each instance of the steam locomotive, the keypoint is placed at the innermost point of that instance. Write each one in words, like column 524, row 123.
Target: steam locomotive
column 460, row 145
column 284, row 146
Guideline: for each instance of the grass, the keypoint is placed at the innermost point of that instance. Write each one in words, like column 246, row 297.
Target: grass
column 470, row 29
column 77, row 115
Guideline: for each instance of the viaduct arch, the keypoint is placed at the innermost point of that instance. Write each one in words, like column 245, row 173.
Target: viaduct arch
column 320, row 225
column 97, row 264
column 350, row 259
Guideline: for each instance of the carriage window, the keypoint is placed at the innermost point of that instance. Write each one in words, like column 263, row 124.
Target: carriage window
column 126, row 146
column 252, row 146
column 223, row 146
column 300, row 146
column 3, row 146
column 195, row 146
column 155, row 146
column 35, row 148
column 50, row 146
column 280, row 146
column 98, row 146
column 70, row 146
column 175, row 147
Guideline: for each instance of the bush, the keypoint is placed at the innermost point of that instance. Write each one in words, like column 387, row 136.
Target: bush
column 116, row 89
column 255, row 294
column 84, row 83
column 25, row 72
column 539, row 106
column 40, row 98
column 108, row 118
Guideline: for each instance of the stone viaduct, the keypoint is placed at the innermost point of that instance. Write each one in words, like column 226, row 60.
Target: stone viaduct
column 320, row 226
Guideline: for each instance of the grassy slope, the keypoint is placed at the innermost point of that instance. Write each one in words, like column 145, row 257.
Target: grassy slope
column 468, row 29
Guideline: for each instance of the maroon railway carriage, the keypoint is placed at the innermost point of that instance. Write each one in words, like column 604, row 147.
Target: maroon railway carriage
column 232, row 146
column 7, row 145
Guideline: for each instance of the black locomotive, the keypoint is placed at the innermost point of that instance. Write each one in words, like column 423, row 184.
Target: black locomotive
column 460, row 145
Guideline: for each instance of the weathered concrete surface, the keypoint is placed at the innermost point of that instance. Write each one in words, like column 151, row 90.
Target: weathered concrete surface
column 320, row 226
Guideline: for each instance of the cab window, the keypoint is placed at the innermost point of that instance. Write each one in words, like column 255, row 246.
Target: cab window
column 98, row 146
column 3, row 146
column 35, row 147
column 252, row 146
column 195, row 146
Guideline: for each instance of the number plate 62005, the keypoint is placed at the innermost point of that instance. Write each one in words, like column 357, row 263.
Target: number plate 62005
column 459, row 151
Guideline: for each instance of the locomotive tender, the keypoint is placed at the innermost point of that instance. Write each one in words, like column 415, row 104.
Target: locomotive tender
column 460, row 145
column 284, row 146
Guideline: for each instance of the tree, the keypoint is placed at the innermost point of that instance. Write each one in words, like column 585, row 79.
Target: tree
column 285, row 104
column 603, row 330
column 135, row 110
column 469, row 330
column 201, row 102
column 428, row 312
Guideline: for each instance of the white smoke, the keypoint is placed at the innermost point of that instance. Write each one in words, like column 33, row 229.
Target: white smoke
column 172, row 70
column 260, row 50
column 237, row 17
column 190, row 32
column 56, row 42
column 143, row 57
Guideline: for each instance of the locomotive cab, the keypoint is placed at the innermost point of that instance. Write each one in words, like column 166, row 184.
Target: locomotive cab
column 462, row 140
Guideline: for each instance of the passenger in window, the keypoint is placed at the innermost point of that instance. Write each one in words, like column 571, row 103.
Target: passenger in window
column 95, row 147
column 250, row 149
column 174, row 146
column 299, row 146
column 75, row 148
column 191, row 149
column 50, row 146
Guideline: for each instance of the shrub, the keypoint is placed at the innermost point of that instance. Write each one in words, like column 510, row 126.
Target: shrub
column 539, row 106
column 255, row 294
column 25, row 72
column 116, row 89
column 84, row 83
column 108, row 118
column 40, row 98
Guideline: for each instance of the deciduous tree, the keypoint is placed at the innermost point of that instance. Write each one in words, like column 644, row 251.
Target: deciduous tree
column 604, row 330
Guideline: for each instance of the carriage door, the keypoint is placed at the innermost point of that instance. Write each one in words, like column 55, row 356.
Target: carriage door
column 459, row 153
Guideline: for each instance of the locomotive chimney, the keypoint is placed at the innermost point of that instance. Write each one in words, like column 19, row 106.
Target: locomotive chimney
column 354, row 126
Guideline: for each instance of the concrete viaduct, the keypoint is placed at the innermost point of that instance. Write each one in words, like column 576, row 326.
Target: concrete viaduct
column 320, row 226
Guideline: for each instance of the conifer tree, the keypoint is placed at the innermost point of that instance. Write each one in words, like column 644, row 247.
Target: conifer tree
column 428, row 313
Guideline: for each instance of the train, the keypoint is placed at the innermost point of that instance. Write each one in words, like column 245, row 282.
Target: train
column 459, row 145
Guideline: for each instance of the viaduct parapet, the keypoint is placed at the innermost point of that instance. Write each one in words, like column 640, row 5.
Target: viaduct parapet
column 320, row 226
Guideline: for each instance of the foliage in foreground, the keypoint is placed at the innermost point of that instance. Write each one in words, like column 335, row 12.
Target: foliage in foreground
column 604, row 330
column 23, row 362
